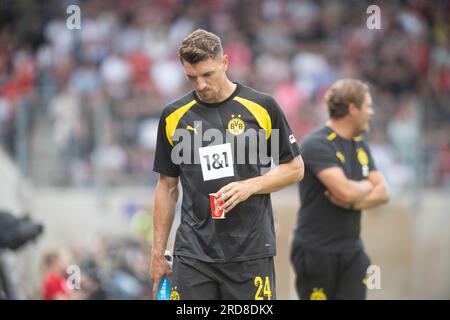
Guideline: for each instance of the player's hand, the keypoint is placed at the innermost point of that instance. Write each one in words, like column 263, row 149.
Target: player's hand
column 158, row 268
column 334, row 200
column 234, row 193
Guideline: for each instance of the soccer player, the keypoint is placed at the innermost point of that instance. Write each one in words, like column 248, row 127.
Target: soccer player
column 341, row 179
column 212, row 140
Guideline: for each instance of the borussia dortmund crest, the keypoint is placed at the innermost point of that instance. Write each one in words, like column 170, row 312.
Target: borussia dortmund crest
column 362, row 157
column 174, row 295
column 236, row 125
column 318, row 294
column 364, row 161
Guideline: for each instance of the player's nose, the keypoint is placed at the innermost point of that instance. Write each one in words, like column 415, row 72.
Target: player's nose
column 200, row 85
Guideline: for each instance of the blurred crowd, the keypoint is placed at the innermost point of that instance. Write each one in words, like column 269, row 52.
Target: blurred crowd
column 112, row 268
column 93, row 96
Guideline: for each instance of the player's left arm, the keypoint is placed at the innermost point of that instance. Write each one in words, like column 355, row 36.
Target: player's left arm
column 274, row 180
column 377, row 196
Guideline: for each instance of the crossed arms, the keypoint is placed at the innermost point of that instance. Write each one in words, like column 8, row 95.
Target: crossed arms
column 351, row 194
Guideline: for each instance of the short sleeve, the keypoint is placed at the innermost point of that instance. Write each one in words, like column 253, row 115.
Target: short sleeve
column 318, row 154
column 287, row 145
column 163, row 161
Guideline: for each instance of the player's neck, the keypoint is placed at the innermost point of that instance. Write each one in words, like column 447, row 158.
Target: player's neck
column 342, row 128
column 226, row 91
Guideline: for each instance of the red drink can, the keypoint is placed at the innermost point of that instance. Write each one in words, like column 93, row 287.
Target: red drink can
column 216, row 213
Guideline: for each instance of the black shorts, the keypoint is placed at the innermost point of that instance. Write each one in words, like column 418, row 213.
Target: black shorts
column 332, row 276
column 247, row 280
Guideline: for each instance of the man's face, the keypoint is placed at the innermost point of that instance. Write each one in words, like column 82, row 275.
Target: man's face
column 63, row 261
column 207, row 77
column 363, row 115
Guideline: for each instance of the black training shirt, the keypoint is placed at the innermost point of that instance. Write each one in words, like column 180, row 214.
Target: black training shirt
column 321, row 224
column 213, row 159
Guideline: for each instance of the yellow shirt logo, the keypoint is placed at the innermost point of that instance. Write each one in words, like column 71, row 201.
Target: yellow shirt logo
column 236, row 125
column 362, row 157
column 174, row 295
column 318, row 294
column 340, row 156
column 191, row 128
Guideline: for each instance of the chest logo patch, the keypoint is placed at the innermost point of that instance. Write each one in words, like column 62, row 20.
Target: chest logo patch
column 236, row 125
column 362, row 157
column 364, row 161
column 340, row 156
column 191, row 128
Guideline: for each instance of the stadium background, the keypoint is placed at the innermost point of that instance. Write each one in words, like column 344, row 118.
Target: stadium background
column 79, row 110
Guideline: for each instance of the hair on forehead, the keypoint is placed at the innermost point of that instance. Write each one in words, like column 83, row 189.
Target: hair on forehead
column 199, row 46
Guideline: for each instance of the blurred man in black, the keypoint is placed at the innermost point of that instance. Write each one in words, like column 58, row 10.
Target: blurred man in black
column 341, row 179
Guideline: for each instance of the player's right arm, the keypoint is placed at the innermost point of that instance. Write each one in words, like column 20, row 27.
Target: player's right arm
column 321, row 158
column 344, row 190
column 166, row 196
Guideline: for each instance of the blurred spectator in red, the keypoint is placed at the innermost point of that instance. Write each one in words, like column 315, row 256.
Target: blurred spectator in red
column 54, row 285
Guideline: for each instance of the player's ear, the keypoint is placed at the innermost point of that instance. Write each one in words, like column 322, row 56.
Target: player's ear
column 225, row 62
column 352, row 109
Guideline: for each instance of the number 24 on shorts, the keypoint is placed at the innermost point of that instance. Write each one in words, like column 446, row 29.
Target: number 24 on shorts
column 263, row 292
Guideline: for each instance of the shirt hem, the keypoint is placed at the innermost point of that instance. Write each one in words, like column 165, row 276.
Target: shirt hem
column 328, row 250
column 239, row 259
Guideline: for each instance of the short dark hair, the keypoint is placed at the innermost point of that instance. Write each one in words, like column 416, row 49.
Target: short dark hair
column 200, row 45
column 343, row 92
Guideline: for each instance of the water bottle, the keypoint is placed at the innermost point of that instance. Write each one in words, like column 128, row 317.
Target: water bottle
column 164, row 285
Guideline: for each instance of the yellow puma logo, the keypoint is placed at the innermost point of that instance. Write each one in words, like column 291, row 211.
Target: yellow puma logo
column 192, row 129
